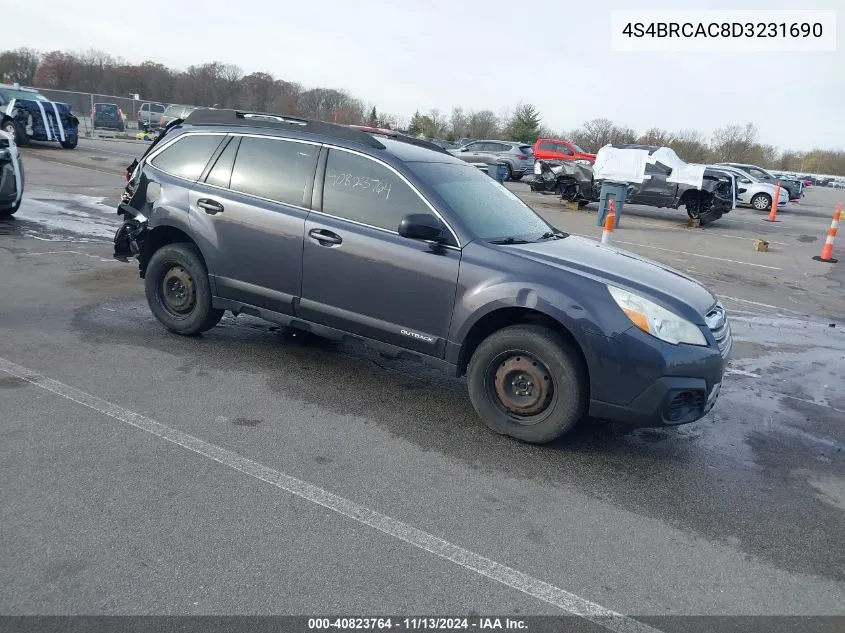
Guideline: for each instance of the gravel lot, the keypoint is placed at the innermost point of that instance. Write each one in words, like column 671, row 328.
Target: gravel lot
column 132, row 459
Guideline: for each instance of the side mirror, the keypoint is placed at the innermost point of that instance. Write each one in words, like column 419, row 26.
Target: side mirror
column 465, row 149
column 421, row 226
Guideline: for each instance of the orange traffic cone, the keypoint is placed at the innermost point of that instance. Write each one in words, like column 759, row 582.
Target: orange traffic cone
column 609, row 224
column 827, row 249
column 773, row 214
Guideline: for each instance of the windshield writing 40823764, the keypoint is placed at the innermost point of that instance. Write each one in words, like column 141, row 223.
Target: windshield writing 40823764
column 376, row 186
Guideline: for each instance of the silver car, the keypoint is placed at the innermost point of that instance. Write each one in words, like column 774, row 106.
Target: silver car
column 753, row 192
column 519, row 157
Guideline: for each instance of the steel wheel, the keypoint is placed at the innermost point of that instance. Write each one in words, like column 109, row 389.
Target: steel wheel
column 177, row 292
column 520, row 385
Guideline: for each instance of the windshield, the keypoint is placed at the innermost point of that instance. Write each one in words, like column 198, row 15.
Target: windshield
column 488, row 209
column 10, row 93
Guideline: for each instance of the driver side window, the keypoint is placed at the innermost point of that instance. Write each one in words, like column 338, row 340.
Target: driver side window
column 359, row 189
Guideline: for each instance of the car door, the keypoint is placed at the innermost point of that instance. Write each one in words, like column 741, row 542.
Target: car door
column 359, row 275
column 654, row 190
column 249, row 209
column 476, row 154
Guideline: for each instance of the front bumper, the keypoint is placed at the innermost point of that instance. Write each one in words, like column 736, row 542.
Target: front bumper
column 649, row 383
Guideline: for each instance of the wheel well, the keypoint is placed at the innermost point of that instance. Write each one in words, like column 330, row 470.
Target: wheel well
column 502, row 318
column 155, row 239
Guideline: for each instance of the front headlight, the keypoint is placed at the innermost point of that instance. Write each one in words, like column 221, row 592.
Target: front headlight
column 656, row 320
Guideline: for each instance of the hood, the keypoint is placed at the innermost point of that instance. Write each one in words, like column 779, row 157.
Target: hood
column 665, row 285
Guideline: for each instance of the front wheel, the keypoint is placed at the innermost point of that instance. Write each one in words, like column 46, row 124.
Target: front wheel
column 69, row 144
column 761, row 202
column 527, row 382
column 14, row 130
column 10, row 211
column 178, row 292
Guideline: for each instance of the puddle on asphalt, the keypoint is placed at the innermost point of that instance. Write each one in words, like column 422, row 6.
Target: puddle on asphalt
column 71, row 218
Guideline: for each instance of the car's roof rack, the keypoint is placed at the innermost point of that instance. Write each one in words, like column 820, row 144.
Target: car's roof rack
column 398, row 136
column 212, row 116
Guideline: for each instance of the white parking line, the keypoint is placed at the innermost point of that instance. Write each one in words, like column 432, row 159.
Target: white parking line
column 668, row 225
column 741, row 372
column 670, row 250
column 467, row 559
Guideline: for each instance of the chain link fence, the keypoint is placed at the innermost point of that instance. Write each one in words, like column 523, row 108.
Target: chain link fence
column 125, row 124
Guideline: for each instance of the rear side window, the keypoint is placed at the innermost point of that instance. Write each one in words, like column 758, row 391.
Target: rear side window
column 188, row 156
column 274, row 169
column 359, row 189
column 547, row 146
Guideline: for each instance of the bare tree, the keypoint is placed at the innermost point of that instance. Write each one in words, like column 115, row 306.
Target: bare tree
column 19, row 66
column 594, row 134
column 690, row 146
column 656, row 136
column 458, row 124
column 483, row 124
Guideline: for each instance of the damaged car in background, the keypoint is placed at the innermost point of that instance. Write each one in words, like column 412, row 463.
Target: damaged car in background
column 11, row 176
column 656, row 176
column 27, row 115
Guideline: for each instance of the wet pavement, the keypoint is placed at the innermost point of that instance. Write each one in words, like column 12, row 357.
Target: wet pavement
column 740, row 513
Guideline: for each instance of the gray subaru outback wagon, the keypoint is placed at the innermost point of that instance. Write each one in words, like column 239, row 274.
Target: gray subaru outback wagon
column 393, row 241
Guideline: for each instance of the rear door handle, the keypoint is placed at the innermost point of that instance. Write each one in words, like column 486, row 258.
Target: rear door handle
column 324, row 237
column 210, row 206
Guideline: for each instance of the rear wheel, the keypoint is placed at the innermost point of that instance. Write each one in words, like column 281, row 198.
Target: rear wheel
column 178, row 292
column 761, row 202
column 527, row 382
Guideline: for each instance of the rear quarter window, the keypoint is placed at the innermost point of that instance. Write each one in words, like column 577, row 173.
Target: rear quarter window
column 188, row 156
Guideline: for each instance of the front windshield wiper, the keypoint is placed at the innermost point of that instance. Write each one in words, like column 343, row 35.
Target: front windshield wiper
column 553, row 234
column 510, row 240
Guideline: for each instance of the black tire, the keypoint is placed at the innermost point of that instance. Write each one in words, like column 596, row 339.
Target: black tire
column 508, row 172
column 70, row 144
column 518, row 357
column 709, row 216
column 516, row 178
column 9, row 211
column 185, row 307
column 761, row 198
column 19, row 135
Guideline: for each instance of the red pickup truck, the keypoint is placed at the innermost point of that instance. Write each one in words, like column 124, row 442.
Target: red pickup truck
column 555, row 149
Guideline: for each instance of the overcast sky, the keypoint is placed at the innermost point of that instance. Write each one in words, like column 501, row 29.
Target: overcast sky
column 403, row 55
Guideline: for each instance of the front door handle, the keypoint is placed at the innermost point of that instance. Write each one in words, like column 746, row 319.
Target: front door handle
column 210, row 206
column 324, row 237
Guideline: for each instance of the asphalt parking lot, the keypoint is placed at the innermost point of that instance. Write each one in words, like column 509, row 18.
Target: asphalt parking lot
column 257, row 472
